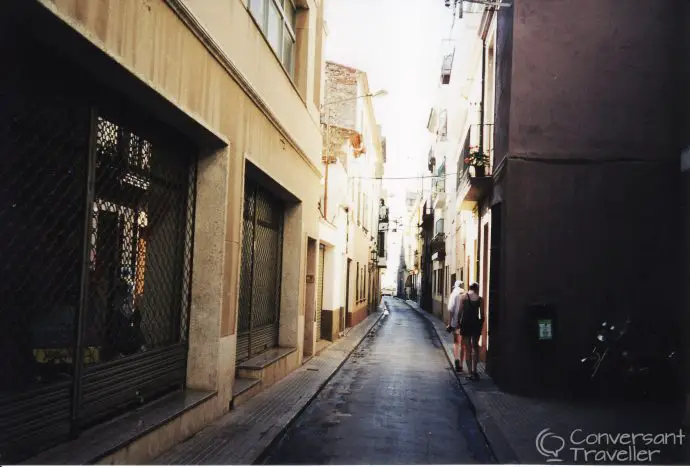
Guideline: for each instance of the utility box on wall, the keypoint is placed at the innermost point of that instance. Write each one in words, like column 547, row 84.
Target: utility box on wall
column 541, row 321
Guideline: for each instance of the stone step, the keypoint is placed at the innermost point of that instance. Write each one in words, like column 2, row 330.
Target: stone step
column 243, row 390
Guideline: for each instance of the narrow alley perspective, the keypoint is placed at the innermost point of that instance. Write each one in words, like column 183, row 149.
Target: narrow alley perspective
column 395, row 401
column 344, row 232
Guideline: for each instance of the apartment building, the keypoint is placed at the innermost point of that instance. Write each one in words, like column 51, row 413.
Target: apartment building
column 454, row 116
column 161, row 172
column 577, row 127
column 354, row 156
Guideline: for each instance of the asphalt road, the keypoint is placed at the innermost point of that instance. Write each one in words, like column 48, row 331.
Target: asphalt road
column 395, row 401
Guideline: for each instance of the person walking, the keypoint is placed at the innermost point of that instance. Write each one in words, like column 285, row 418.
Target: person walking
column 471, row 322
column 453, row 324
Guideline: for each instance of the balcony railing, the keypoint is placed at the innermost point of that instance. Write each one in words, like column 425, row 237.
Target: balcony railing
column 465, row 171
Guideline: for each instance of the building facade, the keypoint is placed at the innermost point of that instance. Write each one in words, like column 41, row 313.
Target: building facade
column 452, row 125
column 189, row 168
column 577, row 128
column 622, row 148
column 354, row 155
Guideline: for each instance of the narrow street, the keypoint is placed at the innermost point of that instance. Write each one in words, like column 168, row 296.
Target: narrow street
column 394, row 401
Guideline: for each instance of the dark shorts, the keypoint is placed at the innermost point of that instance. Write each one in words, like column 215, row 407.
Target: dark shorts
column 471, row 329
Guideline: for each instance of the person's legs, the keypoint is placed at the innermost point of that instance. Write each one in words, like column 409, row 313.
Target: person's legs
column 467, row 347
column 475, row 356
column 456, row 350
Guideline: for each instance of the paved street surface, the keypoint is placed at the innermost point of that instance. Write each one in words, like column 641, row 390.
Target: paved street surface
column 511, row 422
column 240, row 436
column 395, row 401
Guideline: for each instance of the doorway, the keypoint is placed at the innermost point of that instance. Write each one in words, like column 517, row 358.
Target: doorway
column 259, row 301
column 485, row 290
column 493, row 318
column 347, row 296
column 319, row 291
column 310, row 300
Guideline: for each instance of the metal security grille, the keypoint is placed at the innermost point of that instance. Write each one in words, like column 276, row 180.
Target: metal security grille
column 259, row 300
column 319, row 291
column 96, row 213
column 139, row 255
column 44, row 143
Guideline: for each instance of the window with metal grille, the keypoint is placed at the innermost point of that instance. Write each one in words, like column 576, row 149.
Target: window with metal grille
column 96, row 208
column 276, row 20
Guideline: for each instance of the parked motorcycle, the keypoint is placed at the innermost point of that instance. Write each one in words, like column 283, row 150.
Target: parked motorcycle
column 634, row 359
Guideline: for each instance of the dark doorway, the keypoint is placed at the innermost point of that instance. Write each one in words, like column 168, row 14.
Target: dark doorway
column 495, row 286
column 259, row 301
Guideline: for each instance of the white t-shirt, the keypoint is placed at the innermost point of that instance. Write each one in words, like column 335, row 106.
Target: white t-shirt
column 454, row 304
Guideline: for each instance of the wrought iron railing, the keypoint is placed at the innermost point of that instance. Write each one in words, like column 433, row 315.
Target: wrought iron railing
column 464, row 170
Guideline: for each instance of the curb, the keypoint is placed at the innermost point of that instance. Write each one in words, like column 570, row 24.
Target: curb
column 263, row 455
column 498, row 444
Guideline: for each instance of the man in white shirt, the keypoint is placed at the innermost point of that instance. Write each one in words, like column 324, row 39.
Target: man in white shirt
column 453, row 325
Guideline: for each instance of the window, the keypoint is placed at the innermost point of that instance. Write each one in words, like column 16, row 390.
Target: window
column 276, row 19
column 443, row 125
column 447, row 67
column 363, row 284
column 357, row 284
column 462, row 168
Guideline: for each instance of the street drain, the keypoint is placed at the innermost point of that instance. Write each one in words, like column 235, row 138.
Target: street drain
column 312, row 369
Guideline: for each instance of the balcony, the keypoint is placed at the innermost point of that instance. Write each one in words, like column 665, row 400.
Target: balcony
column 475, row 185
column 438, row 243
column 439, row 194
column 475, row 188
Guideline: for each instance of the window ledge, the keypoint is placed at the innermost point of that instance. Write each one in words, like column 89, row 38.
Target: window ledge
column 103, row 440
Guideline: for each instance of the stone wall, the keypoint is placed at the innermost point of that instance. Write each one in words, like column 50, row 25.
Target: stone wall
column 341, row 83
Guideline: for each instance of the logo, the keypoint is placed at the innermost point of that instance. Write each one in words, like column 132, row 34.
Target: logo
column 549, row 445
column 607, row 447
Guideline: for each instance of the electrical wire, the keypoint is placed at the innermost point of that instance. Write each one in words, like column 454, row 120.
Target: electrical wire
column 416, row 177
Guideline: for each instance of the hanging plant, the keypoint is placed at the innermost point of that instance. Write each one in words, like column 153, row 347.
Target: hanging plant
column 476, row 158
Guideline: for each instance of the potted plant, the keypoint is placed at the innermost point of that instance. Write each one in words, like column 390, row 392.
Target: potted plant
column 477, row 159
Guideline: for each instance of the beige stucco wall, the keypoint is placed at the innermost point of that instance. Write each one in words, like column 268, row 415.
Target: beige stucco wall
column 232, row 27
column 152, row 41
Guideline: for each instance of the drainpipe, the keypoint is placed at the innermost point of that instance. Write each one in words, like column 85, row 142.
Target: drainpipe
column 483, row 96
column 481, row 151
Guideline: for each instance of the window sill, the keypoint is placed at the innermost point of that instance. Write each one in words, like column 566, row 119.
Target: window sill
column 103, row 440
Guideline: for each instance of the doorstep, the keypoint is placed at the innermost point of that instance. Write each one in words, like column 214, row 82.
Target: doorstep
column 321, row 345
column 512, row 422
column 243, row 435
column 108, row 438
column 269, row 367
column 244, row 389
